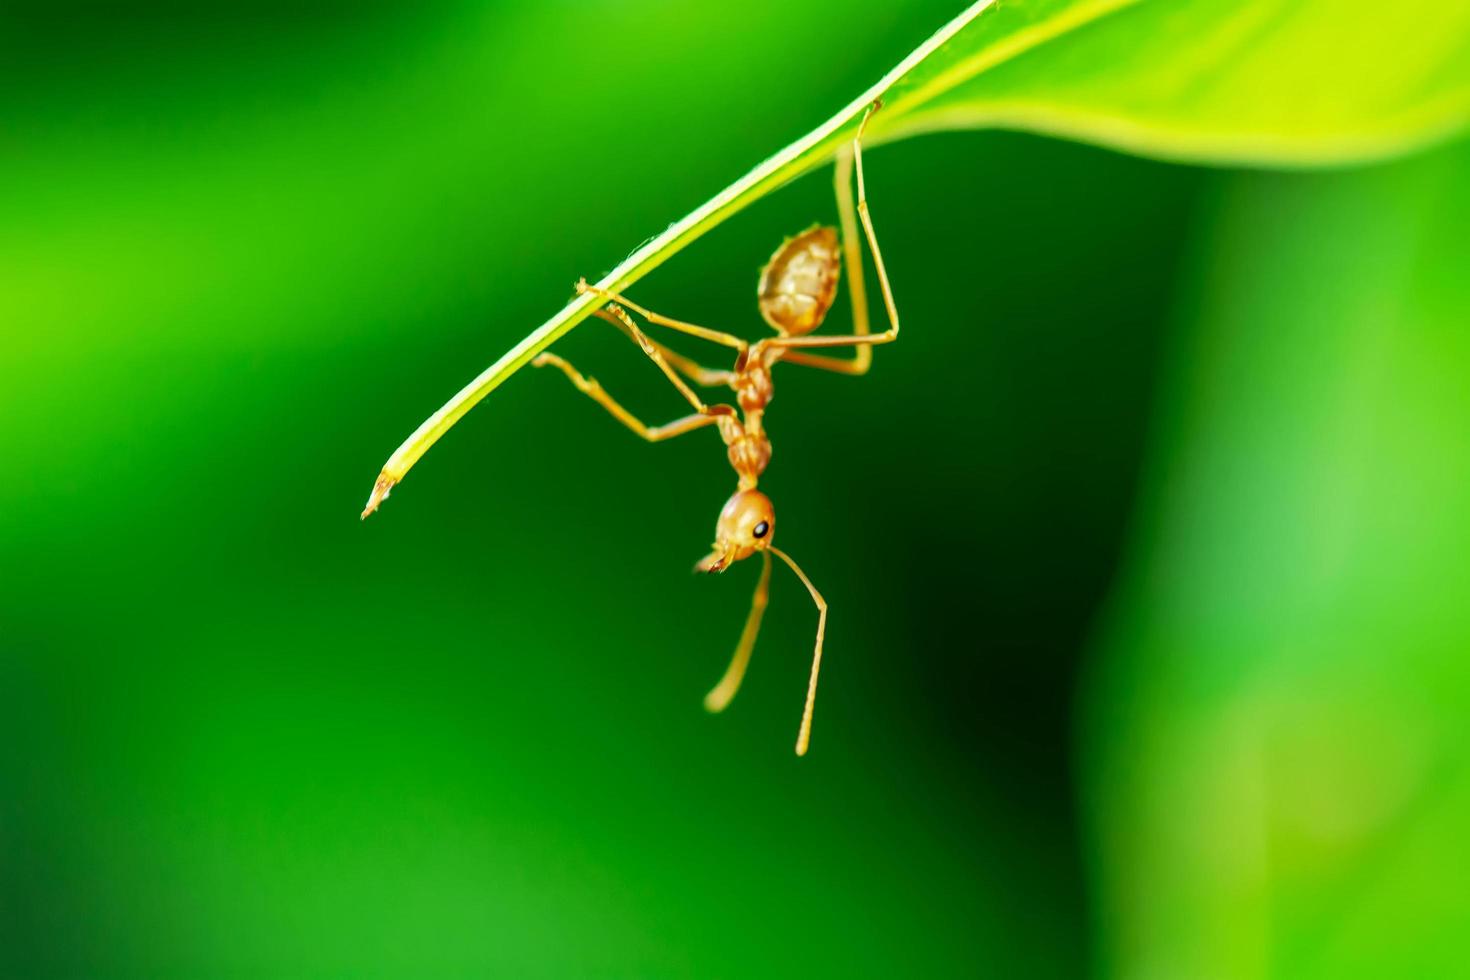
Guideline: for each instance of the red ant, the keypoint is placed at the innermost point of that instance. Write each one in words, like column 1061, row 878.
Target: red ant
column 797, row 288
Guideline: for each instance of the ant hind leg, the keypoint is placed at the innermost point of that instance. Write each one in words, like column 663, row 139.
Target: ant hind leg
column 860, row 338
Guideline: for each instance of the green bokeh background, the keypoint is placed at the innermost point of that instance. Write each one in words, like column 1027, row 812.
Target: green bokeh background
column 1145, row 545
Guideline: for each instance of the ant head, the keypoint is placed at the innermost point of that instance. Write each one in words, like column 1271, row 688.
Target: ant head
column 746, row 525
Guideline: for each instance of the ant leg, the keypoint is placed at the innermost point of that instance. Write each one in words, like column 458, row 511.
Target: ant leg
column 860, row 337
column 719, row 698
column 804, row 735
column 857, row 289
column 862, row 210
column 694, row 330
column 595, row 391
column 698, row 373
column 694, row 371
column 852, row 249
column 618, row 316
column 817, row 340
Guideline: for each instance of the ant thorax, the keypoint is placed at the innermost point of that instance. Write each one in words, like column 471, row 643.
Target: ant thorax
column 747, row 446
column 753, row 387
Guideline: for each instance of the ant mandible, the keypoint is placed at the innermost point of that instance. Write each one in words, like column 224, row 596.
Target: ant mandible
column 796, row 290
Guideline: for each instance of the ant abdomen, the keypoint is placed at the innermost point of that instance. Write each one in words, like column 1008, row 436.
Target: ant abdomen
column 798, row 285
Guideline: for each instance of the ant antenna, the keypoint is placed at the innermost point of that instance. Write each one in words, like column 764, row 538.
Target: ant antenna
column 719, row 698
column 804, row 736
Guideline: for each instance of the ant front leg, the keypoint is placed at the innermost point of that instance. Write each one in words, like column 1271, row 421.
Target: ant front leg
column 619, row 318
column 704, row 414
column 693, row 329
column 592, row 389
column 693, row 370
column 687, row 366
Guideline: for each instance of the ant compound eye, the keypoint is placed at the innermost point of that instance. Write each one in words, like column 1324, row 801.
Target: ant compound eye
column 762, row 529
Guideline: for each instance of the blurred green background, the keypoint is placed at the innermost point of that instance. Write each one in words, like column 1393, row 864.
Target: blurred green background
column 1145, row 545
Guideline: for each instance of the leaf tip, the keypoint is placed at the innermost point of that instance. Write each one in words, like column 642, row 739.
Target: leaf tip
column 381, row 489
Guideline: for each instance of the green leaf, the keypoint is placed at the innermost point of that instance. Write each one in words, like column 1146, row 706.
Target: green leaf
column 1269, row 82
column 1263, row 82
